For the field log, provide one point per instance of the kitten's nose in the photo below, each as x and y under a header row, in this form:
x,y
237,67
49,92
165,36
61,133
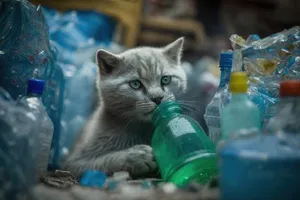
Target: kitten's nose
x,y
157,100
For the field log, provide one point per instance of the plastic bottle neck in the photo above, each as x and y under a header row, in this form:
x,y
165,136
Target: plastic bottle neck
x,y
39,96
225,76
166,110
239,96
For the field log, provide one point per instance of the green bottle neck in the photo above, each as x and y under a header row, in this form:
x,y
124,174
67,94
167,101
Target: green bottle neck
x,y
165,111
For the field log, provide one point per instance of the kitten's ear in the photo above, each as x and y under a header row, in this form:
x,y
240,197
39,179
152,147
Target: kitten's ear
x,y
107,62
174,50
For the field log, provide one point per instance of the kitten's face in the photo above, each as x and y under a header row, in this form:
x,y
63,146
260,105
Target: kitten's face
x,y
133,83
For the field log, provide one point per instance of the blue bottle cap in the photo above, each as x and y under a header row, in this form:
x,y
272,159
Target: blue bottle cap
x,y
226,59
254,37
35,86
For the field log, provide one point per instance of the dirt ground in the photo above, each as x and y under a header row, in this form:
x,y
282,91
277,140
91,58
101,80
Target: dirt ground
x,y
63,185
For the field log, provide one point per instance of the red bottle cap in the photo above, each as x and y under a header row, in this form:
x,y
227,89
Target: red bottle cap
x,y
289,88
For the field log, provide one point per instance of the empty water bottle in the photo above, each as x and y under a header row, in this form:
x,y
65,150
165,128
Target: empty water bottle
x,y
212,112
17,152
33,102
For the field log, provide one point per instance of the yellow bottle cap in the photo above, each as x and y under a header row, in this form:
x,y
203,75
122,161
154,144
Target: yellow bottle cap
x,y
238,82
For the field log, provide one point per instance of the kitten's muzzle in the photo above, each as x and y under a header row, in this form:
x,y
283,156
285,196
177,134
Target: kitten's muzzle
x,y
157,100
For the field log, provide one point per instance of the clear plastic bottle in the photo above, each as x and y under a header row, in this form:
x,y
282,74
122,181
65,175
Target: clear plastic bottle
x,y
17,149
182,150
241,113
33,102
212,112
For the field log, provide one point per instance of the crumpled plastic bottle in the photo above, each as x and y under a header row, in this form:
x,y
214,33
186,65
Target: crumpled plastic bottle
x,y
33,102
17,149
221,98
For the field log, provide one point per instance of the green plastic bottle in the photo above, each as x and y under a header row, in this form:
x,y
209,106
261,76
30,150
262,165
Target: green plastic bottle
x,y
182,150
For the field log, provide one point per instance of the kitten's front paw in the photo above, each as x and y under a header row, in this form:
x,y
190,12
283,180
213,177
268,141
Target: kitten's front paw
x,y
139,160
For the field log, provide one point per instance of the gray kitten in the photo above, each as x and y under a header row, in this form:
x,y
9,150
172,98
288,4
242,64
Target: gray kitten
x,y
131,85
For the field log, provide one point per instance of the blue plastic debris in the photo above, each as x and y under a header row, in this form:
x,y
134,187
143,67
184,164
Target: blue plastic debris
x,y
93,178
146,184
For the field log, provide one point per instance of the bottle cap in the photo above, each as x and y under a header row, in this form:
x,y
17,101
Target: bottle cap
x,y
226,59
35,86
289,88
238,82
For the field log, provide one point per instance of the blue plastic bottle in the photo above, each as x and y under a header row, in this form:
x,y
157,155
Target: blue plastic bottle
x,y
267,165
212,112
241,113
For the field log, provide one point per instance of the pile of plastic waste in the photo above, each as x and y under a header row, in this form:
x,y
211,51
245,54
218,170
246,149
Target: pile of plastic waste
x,y
41,70
254,117
266,62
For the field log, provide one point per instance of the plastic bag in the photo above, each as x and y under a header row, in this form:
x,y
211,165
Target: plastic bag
x,y
24,46
17,149
267,62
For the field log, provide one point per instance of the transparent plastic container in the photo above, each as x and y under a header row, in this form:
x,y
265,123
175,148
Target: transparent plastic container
x,y
17,149
33,102
221,97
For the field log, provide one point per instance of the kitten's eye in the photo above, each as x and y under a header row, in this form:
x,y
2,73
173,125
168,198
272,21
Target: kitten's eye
x,y
165,80
135,84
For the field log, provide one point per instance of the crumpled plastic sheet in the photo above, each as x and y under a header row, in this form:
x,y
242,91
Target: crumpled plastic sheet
x,y
17,149
267,62
25,51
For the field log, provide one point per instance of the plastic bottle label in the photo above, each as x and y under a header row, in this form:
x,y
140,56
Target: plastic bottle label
x,y
184,128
